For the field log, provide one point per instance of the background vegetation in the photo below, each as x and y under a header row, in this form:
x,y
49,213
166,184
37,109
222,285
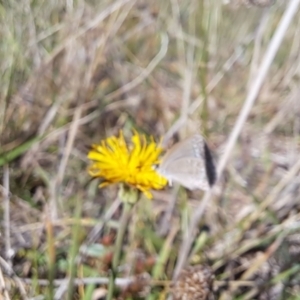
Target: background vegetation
x,y
75,72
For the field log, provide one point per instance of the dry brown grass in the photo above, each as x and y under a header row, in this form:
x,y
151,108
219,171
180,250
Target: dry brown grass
x,y
73,73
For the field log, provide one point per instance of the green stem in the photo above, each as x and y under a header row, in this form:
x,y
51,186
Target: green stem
x,y
118,247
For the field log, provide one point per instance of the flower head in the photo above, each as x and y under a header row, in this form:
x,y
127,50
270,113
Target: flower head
x,y
116,162
194,283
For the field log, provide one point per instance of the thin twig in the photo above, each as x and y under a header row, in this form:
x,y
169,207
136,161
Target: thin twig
x,y
257,46
166,220
98,228
188,82
146,72
123,103
121,282
274,193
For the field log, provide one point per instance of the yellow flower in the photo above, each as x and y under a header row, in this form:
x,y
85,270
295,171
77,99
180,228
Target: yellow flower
x,y
116,162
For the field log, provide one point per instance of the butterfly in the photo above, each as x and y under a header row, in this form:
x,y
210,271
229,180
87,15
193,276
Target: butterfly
x,y
190,164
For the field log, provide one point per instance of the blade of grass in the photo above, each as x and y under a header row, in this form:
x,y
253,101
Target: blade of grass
x,y
18,151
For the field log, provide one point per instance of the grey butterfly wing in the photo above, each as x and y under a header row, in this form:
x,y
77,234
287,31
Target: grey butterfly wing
x,y
189,163
190,147
189,172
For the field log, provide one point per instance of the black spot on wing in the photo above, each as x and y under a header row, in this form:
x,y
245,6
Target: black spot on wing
x,y
209,166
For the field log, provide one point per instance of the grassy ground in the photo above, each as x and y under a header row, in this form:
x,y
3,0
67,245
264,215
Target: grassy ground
x,y
75,72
